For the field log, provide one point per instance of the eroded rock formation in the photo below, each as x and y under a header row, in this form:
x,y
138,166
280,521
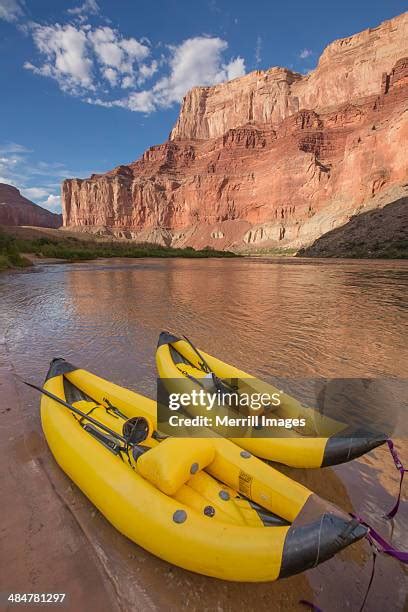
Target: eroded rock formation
x,y
15,209
272,158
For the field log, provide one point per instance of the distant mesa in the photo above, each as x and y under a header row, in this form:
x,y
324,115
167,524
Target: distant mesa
x,y
15,210
270,159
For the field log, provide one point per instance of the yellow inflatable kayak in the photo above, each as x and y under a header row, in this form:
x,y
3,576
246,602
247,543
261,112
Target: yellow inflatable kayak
x,y
204,505
323,442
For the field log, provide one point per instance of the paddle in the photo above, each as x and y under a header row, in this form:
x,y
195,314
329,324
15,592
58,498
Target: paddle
x,y
77,411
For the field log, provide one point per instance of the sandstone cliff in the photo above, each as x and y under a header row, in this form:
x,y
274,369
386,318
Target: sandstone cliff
x,y
272,158
17,210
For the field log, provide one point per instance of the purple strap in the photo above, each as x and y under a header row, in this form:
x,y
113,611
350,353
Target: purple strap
x,y
402,470
380,544
310,605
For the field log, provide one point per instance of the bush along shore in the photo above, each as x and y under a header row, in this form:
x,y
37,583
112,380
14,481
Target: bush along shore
x,y
10,254
12,250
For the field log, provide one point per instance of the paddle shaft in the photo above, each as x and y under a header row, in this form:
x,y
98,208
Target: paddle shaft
x,y
76,411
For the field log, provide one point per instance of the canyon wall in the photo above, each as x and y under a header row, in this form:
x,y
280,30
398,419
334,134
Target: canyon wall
x,y
273,158
349,69
15,209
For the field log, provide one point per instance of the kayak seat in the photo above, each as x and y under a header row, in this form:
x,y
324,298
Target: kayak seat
x,y
174,461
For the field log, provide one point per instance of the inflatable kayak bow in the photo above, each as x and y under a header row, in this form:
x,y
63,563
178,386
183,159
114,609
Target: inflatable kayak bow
x,y
180,363
204,505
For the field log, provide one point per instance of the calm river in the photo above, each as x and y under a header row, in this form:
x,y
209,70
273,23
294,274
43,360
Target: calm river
x,y
298,318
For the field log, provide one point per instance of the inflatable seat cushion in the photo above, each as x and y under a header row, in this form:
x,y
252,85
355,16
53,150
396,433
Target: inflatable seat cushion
x,y
174,461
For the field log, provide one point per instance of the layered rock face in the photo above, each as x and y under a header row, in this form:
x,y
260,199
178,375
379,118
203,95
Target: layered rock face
x,y
270,159
18,210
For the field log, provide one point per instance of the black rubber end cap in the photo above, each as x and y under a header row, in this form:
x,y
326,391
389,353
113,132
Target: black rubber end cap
x,y
166,337
59,366
308,545
340,449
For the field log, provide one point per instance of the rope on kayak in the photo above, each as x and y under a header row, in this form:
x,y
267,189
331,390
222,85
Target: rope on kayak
x,y
402,470
203,365
371,579
113,410
380,544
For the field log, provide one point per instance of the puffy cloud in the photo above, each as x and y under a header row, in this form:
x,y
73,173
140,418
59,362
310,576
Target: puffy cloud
x,y
235,69
11,10
76,54
305,53
65,50
141,101
113,50
89,7
44,197
128,82
111,76
52,203
147,71
197,61
89,62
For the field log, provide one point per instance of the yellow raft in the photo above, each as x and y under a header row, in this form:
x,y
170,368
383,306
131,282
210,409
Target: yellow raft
x,y
323,442
204,505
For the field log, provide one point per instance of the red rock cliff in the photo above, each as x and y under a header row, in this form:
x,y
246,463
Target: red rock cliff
x,y
272,158
17,210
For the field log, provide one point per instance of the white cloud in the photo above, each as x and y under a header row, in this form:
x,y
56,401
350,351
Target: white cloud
x,y
7,181
11,10
235,69
258,50
35,193
147,71
38,181
52,203
197,61
117,52
140,101
111,75
80,58
127,82
89,7
305,53
65,50
13,147
91,62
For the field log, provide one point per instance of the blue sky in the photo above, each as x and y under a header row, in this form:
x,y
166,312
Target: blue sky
x,y
90,84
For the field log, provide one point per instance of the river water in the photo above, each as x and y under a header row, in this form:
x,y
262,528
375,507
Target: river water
x,y
289,317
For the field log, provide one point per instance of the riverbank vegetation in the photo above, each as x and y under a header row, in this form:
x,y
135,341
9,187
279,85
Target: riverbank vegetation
x,y
10,255
68,248
269,252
